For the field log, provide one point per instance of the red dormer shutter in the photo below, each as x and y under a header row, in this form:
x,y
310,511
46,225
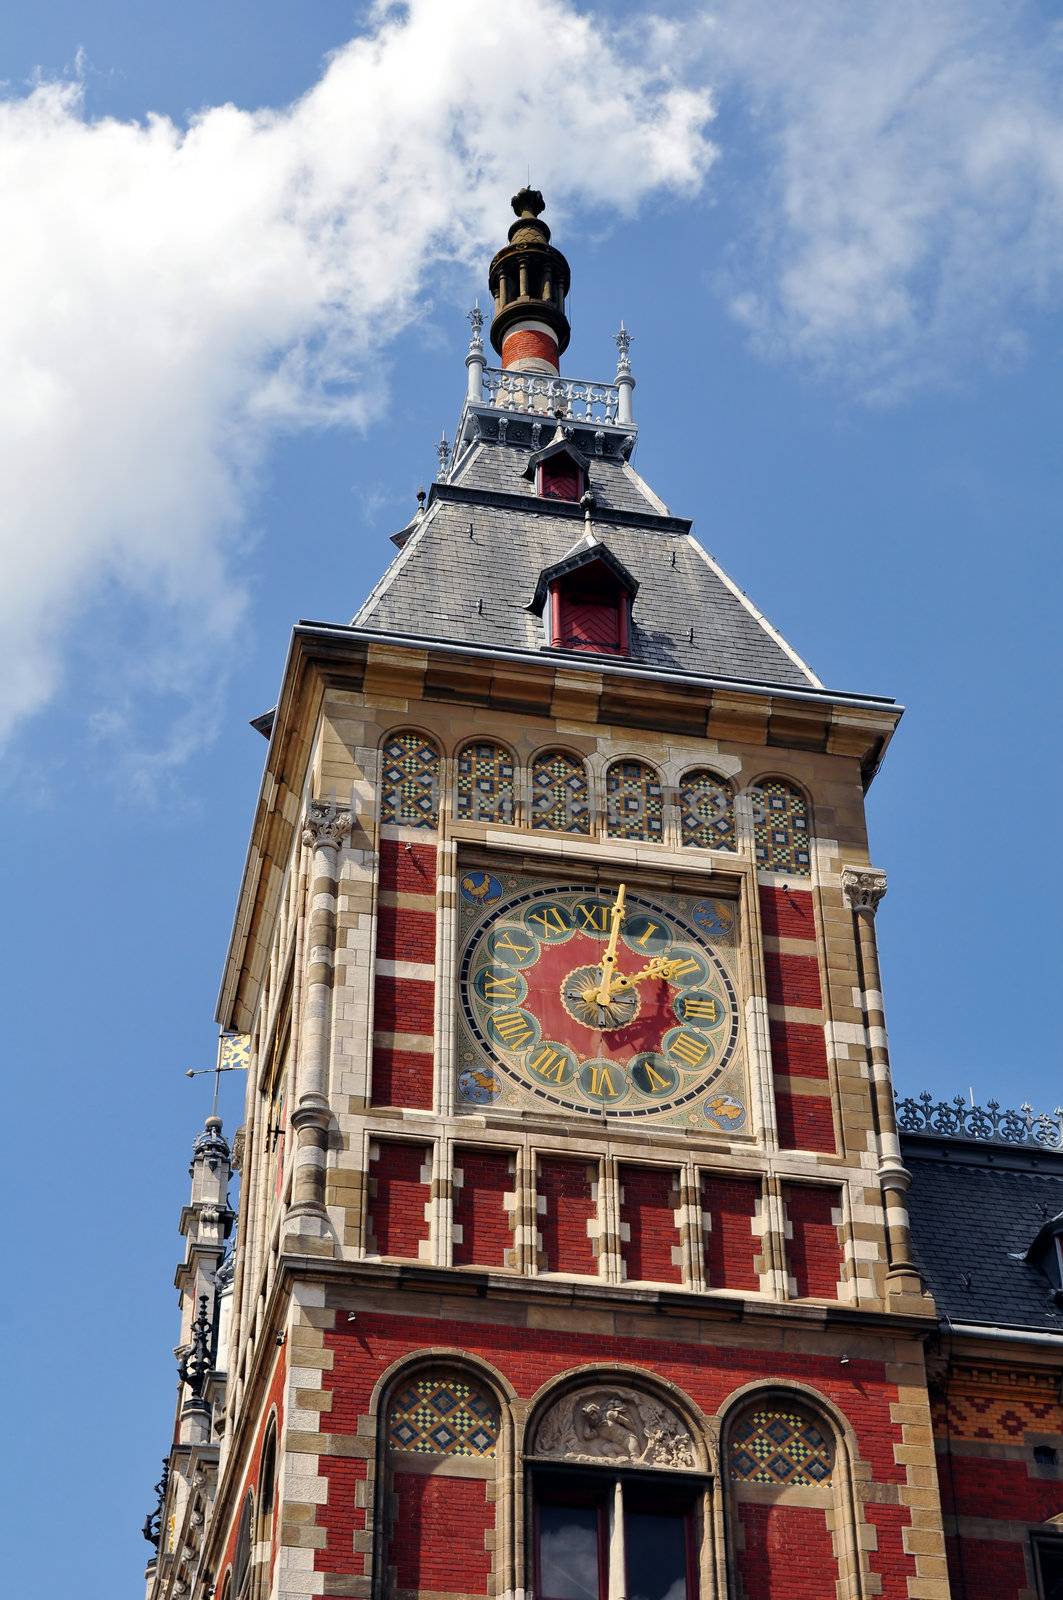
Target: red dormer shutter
x,y
589,624
560,478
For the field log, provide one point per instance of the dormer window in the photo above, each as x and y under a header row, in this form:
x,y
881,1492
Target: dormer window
x,y
560,478
585,601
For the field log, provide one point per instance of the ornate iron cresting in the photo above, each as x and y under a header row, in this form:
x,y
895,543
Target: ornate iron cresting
x,y
574,398
152,1529
956,1119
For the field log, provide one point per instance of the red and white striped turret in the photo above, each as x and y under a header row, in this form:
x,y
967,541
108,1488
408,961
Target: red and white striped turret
x,y
529,281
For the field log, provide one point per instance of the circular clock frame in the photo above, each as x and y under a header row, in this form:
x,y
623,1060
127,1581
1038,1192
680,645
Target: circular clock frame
x,y
505,1018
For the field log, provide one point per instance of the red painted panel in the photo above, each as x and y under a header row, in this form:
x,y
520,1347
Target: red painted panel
x,y
480,1209
402,1078
566,1188
589,624
730,1243
438,1539
787,1554
404,1005
987,1569
792,980
397,1219
405,935
805,1121
787,913
798,1049
649,1199
407,868
814,1255
979,1486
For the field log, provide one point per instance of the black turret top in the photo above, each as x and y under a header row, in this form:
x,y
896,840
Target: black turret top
x,y
529,279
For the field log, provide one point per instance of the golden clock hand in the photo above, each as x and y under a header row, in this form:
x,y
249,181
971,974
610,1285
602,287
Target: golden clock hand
x,y
608,963
658,967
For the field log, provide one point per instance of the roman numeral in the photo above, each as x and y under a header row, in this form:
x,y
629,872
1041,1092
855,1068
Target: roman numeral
x,y
504,942
512,1026
682,968
703,1006
550,920
653,1077
595,918
689,1048
601,1084
549,1064
500,988
649,933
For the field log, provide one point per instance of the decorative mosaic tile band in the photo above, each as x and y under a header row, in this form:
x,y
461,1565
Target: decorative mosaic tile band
x,y
560,794
707,813
780,828
634,801
486,789
783,1446
410,781
441,1414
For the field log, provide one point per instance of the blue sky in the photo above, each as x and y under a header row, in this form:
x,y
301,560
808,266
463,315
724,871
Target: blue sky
x,y
230,339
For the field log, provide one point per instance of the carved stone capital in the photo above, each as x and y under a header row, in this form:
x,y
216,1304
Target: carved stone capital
x,y
863,888
326,825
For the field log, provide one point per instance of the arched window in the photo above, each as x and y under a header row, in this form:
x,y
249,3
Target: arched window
x,y
485,788
409,786
780,828
267,1485
777,1445
241,1579
706,811
441,1427
601,1513
634,801
560,797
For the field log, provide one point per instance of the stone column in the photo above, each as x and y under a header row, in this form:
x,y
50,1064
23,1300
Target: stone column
x,y
624,378
325,827
864,888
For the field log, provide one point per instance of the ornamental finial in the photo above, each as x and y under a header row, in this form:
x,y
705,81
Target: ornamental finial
x,y
443,452
623,345
476,318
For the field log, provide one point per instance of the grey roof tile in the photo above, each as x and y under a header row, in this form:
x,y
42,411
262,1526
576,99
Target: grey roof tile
x,y
972,1222
480,541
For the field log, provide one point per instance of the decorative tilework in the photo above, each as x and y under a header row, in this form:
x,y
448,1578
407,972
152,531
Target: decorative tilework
x,y
410,781
485,788
442,1414
634,802
706,810
560,796
782,1445
780,828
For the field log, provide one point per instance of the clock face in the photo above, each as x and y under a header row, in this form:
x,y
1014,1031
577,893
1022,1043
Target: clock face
x,y
540,1024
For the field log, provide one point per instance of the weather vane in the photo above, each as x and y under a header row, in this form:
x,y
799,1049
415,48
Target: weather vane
x,y
234,1055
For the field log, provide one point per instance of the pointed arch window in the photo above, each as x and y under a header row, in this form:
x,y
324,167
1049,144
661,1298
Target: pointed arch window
x,y
409,788
267,1484
486,784
241,1578
560,794
634,801
706,811
781,834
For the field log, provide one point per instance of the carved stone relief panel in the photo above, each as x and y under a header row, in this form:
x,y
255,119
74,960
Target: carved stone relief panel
x,y
614,1423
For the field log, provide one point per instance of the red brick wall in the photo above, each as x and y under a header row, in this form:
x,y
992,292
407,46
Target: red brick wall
x,y
649,1199
398,1199
437,1543
730,1246
814,1252
566,1188
889,1560
402,1072
480,1207
528,1357
987,1424
787,1553
274,1398
803,1111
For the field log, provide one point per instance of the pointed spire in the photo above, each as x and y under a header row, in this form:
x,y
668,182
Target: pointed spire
x,y
529,280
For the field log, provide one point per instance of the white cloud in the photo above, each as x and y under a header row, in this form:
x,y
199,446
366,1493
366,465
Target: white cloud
x,y
909,215
169,297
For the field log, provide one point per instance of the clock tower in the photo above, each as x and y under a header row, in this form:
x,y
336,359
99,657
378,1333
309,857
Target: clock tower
x,y
573,1257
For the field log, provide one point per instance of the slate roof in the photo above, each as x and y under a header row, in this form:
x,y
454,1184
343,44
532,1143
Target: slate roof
x,y
975,1212
469,567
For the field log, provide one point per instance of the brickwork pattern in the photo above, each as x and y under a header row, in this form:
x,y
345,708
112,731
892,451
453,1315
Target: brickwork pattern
x,y
398,1199
567,1205
439,1541
731,1248
484,1203
814,1250
803,1109
404,1005
649,1234
786,1551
